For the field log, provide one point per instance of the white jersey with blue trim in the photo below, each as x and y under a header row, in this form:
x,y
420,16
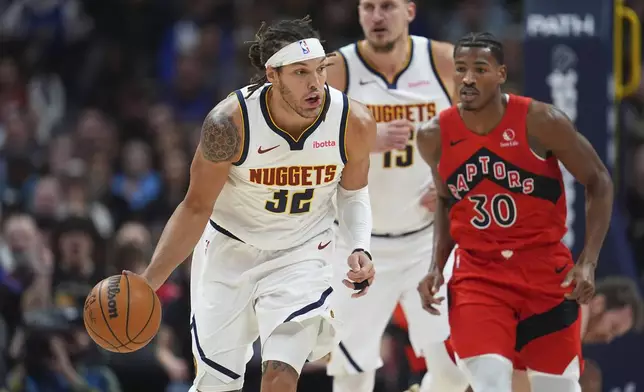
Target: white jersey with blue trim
x,y
282,190
399,178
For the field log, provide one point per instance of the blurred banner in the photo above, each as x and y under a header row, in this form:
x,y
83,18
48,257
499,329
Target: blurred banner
x,y
568,55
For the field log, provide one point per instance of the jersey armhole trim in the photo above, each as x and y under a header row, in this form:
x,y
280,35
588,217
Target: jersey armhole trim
x,y
241,102
430,50
344,120
346,72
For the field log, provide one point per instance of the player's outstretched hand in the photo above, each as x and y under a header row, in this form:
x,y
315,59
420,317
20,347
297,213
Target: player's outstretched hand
x,y
393,135
361,274
583,276
428,288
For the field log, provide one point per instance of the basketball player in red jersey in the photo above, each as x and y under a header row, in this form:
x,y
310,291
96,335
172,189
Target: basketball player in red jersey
x,y
495,160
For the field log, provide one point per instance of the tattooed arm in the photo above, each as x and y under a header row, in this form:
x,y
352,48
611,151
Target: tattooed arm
x,y
220,145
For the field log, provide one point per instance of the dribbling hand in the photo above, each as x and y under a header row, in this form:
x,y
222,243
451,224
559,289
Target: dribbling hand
x,y
428,288
393,135
361,270
583,274
154,287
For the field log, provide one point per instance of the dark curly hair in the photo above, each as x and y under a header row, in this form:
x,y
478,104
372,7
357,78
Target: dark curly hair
x,y
482,40
269,39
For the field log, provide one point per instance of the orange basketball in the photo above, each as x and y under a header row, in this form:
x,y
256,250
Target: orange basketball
x,y
122,313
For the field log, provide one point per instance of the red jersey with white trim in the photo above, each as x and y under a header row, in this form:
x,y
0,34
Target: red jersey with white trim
x,y
503,195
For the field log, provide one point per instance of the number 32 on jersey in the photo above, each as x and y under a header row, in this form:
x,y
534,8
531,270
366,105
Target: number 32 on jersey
x,y
293,202
501,209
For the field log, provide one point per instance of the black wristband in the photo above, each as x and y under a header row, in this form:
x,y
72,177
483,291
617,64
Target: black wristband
x,y
363,251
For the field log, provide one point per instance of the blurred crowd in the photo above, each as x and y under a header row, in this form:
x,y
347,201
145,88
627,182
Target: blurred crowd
x,y
101,104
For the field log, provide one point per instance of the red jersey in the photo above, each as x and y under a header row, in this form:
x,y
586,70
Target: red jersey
x,y
503,195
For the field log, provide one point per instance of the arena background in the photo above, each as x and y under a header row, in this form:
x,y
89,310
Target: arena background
x,y
100,108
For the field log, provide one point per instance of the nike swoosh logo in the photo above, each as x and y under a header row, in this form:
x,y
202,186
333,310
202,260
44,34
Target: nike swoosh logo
x,y
455,142
260,151
362,82
560,269
322,246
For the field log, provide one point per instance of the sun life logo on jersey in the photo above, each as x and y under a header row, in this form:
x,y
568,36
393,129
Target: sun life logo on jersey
x,y
508,138
305,47
324,144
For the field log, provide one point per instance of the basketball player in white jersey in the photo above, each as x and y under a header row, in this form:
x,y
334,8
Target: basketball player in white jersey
x,y
271,160
405,81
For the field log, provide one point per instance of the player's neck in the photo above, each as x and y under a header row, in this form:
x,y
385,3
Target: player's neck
x,y
388,63
285,117
486,119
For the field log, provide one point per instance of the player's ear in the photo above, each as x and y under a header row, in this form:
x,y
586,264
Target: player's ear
x,y
271,74
503,73
411,10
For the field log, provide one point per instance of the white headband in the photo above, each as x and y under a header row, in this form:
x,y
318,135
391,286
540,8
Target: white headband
x,y
306,49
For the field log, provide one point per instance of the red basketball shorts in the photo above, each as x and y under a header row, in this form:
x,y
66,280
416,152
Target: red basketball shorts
x,y
515,307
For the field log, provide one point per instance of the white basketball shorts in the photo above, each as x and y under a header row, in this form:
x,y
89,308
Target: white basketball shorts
x,y
240,293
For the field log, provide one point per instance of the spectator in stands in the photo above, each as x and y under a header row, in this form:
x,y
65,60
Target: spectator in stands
x,y
137,184
134,233
77,248
59,356
46,205
78,200
175,171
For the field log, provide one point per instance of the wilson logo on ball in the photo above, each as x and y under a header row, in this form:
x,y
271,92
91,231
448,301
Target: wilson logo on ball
x,y
113,288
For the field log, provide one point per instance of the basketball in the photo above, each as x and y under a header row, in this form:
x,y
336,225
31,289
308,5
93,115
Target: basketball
x,y
122,313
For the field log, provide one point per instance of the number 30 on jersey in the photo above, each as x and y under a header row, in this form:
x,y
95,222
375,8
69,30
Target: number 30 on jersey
x,y
501,209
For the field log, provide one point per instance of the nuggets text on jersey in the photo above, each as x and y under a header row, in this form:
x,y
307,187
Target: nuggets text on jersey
x,y
416,112
293,175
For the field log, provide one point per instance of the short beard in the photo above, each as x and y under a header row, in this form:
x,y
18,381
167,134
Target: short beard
x,y
387,47
286,94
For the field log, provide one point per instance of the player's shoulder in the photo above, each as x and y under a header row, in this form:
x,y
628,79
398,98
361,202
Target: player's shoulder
x,y
248,93
431,130
223,129
341,56
228,115
337,70
361,129
346,49
228,107
360,116
542,112
441,47
438,49
547,123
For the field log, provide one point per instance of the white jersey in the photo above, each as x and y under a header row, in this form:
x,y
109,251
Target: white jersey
x,y
398,179
281,191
